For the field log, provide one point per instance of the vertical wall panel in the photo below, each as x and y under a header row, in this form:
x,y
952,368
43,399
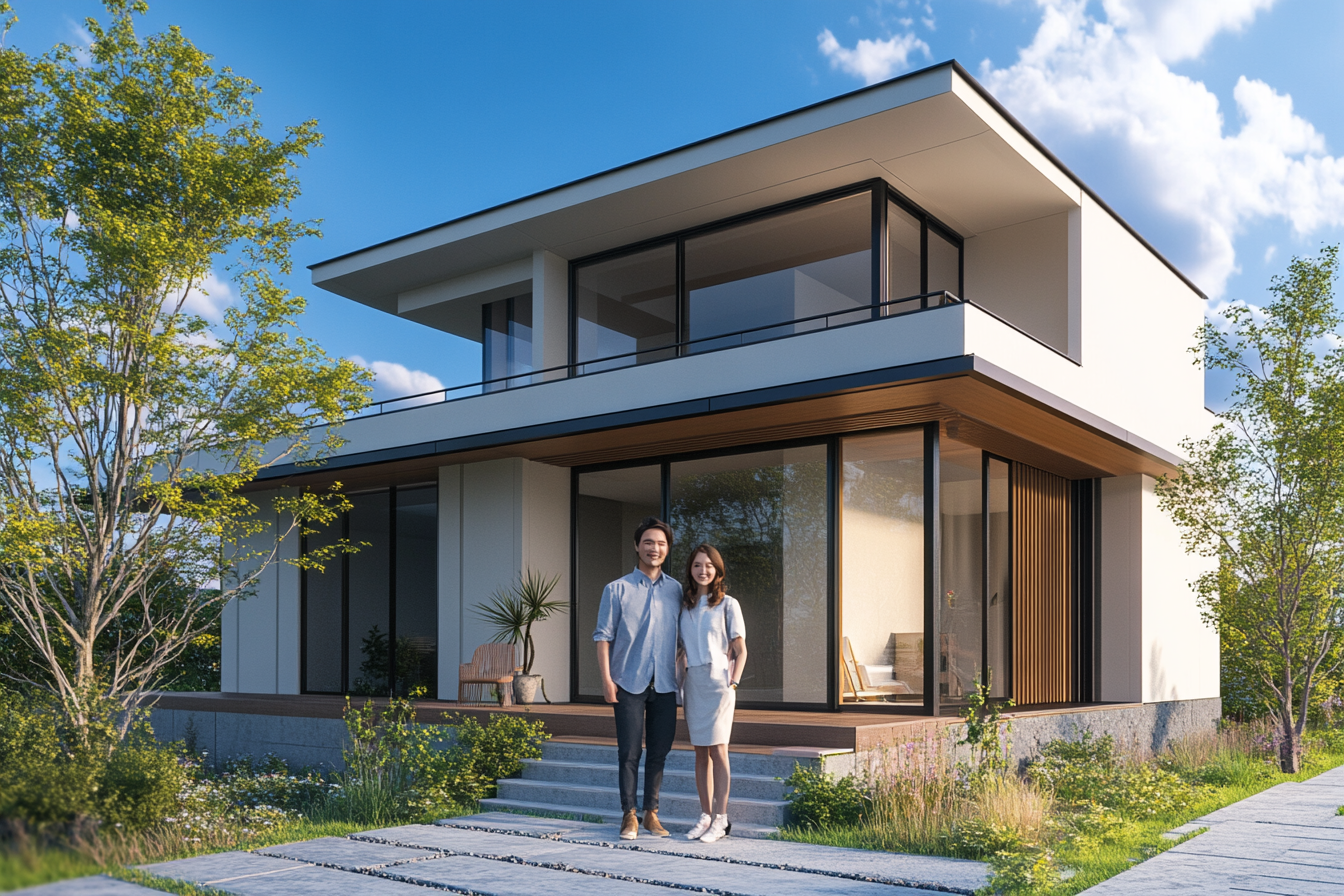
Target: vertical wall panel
x,y
1042,596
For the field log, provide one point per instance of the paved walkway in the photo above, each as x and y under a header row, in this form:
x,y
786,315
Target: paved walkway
x,y
500,853
1287,840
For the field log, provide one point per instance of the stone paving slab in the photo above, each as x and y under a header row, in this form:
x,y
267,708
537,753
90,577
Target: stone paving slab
x,y
663,869
96,885
1273,843
222,867
252,875
490,877
346,854
1287,803
510,821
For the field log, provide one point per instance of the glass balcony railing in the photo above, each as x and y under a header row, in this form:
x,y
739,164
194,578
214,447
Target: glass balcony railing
x,y
718,342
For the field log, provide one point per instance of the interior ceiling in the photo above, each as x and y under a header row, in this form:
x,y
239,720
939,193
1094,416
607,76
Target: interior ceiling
x,y
938,151
970,408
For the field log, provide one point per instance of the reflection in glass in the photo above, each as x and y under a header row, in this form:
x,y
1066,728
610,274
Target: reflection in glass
x,y
998,618
882,568
322,615
766,512
417,658
626,304
611,503
903,255
506,340
796,264
961,621
944,264
368,649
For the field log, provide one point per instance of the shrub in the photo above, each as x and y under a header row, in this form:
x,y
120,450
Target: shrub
x,y
1090,770
498,749
820,800
49,778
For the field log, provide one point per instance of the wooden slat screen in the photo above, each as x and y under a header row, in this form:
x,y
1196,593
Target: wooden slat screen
x,y
1042,601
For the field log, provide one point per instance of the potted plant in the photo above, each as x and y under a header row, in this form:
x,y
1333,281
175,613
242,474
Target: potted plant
x,y
511,612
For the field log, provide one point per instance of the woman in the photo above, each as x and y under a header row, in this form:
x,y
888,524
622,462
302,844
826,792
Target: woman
x,y
713,647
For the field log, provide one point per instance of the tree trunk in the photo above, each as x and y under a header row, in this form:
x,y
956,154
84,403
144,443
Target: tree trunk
x,y
1290,751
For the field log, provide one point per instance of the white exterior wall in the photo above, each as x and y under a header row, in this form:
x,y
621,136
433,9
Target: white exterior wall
x,y
260,633
497,519
1153,645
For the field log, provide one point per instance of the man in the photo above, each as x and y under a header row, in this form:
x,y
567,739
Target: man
x,y
636,640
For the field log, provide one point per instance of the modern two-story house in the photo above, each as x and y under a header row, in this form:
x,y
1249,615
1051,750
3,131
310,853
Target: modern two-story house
x,y
905,369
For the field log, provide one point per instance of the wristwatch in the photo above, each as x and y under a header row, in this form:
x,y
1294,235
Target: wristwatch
x,y
733,685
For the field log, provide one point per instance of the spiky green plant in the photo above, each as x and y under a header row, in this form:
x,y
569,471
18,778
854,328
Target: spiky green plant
x,y
512,612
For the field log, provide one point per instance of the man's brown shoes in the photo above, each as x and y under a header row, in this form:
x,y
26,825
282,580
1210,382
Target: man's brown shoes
x,y
629,825
652,825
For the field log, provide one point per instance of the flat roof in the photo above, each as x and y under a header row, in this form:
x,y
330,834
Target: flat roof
x,y
936,135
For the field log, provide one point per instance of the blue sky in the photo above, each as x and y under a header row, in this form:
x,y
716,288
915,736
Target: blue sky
x,y
1214,126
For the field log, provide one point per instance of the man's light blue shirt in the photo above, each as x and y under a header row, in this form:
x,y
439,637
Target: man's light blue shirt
x,y
639,617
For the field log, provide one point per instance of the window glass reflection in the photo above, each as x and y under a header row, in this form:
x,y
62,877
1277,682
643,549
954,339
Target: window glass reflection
x,y
903,258
815,260
623,305
766,513
998,633
944,264
960,614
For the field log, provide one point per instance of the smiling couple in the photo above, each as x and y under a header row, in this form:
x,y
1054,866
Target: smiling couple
x,y
655,638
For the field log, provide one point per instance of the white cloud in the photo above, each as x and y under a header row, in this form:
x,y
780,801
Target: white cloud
x,y
209,299
393,380
1110,80
82,41
1270,252
872,60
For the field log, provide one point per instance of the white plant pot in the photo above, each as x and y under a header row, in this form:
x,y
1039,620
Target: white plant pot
x,y
525,688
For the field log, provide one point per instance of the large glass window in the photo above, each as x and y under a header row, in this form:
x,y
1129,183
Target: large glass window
x,y
904,274
506,351
944,264
609,505
961,603
816,260
370,618
626,305
882,568
766,513
998,552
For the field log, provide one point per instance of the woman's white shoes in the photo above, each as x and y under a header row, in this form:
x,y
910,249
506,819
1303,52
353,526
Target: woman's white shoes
x,y
718,828
700,827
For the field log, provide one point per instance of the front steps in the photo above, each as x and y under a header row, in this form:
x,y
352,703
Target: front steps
x,y
580,780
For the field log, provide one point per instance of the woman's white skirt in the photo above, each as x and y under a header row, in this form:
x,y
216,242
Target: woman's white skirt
x,y
709,704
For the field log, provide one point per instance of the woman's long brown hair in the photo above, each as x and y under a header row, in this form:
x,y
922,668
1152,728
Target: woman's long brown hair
x,y
690,594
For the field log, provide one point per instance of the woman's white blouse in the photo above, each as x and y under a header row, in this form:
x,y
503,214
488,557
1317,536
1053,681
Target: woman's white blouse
x,y
706,631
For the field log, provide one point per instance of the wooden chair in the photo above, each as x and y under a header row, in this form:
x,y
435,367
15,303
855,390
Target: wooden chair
x,y
491,666
857,686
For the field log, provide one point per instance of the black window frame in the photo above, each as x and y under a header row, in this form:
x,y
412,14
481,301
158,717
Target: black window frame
x,y
881,193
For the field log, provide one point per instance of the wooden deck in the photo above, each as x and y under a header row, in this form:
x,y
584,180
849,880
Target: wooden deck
x,y
752,728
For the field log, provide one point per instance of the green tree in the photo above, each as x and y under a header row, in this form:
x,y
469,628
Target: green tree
x,y
1264,493
131,426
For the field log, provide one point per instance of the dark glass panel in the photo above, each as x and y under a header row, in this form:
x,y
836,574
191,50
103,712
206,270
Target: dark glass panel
x,y
903,254
626,304
961,515
322,616
815,260
998,618
417,658
882,566
944,264
506,342
611,503
766,513
370,660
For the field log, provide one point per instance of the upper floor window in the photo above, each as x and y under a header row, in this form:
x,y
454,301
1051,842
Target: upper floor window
x,y
809,266
506,343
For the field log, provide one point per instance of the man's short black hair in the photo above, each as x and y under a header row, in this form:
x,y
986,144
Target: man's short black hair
x,y
652,522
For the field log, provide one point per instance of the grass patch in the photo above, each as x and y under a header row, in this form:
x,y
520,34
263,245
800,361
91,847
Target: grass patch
x,y
1086,811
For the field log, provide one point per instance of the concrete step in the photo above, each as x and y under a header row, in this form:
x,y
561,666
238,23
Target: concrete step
x,y
583,798
744,830
681,760
594,774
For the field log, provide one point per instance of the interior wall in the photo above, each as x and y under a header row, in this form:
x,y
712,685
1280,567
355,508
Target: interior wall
x,y
1022,274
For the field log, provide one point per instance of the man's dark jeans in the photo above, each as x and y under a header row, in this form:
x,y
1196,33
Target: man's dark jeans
x,y
639,717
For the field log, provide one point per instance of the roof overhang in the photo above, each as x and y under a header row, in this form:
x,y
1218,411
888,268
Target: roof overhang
x,y
935,135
